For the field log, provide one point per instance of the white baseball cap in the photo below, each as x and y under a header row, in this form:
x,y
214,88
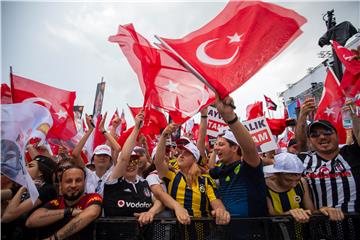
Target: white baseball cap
x,y
193,149
103,149
227,134
285,163
182,140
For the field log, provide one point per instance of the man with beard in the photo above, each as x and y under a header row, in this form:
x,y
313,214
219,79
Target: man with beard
x,y
333,172
70,215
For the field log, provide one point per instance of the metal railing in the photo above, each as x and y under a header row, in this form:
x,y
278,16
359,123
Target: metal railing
x,y
319,227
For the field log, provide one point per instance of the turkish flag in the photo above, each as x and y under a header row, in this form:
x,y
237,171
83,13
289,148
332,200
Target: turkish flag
x,y
351,78
240,40
330,105
154,121
164,81
5,94
59,102
270,103
283,142
254,110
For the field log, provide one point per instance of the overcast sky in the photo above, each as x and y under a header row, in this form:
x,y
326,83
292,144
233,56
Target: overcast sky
x,y
64,44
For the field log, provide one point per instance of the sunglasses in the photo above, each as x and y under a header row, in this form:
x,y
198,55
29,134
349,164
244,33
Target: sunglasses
x,y
133,161
317,134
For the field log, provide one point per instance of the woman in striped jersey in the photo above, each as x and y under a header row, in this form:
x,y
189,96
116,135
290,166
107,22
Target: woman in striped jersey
x,y
287,193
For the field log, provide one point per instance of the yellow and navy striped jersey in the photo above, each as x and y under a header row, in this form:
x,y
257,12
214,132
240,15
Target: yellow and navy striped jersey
x,y
285,201
173,163
195,199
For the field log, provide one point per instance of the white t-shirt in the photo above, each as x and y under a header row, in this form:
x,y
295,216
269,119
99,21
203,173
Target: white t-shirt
x,y
153,179
95,184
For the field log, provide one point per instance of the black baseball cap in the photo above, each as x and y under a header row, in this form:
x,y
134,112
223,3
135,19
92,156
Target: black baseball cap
x,y
320,123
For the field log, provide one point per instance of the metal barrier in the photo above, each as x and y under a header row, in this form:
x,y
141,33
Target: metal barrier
x,y
319,227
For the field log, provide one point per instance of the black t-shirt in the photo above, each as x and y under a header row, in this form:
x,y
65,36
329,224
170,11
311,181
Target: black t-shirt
x,y
123,198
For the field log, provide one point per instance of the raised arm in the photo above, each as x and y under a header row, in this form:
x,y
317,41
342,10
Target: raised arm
x,y
300,130
111,140
243,137
355,120
161,166
76,153
114,125
124,156
202,133
16,208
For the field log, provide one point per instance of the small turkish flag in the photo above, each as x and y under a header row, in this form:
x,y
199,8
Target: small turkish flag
x,y
238,42
330,105
254,110
59,102
270,103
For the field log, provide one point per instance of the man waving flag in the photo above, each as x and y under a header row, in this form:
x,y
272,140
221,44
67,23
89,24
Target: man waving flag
x,y
240,40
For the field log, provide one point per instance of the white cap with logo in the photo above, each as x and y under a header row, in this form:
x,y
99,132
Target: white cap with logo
x,y
102,149
285,163
193,149
227,134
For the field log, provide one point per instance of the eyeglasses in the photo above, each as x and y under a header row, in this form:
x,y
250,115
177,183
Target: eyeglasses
x,y
317,134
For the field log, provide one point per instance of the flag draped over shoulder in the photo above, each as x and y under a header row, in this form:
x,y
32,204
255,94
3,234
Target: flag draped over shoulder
x,y
240,40
59,102
164,81
330,105
351,78
19,123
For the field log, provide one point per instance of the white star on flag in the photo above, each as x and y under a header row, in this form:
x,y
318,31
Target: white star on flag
x,y
235,38
329,111
172,87
61,114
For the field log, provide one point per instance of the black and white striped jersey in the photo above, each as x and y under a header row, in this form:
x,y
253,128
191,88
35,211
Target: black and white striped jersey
x,y
334,183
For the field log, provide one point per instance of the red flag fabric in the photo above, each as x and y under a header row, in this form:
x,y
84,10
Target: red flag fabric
x,y
122,138
164,81
330,105
99,138
59,102
123,122
276,125
270,103
283,142
254,110
5,94
351,78
240,40
154,121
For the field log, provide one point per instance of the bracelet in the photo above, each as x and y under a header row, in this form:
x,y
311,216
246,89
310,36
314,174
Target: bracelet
x,y
68,213
233,121
55,236
203,116
103,132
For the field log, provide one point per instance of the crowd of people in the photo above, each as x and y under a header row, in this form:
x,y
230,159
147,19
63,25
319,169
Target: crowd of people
x,y
186,179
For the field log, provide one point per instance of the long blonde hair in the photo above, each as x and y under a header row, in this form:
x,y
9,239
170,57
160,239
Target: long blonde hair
x,y
192,175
